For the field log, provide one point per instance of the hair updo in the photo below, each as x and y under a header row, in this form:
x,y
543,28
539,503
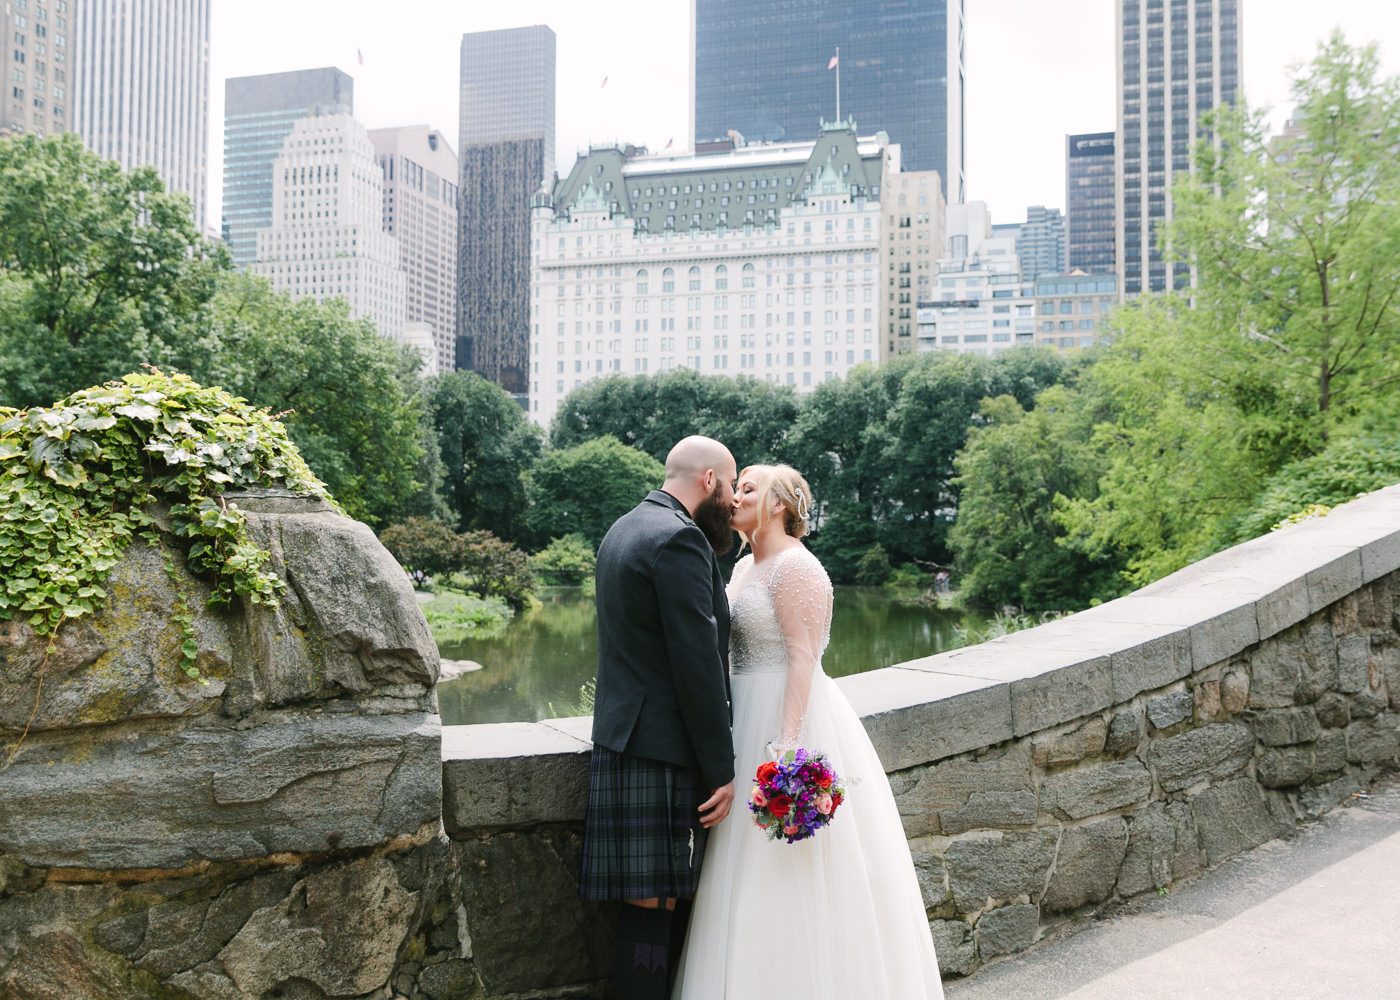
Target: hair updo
x,y
784,484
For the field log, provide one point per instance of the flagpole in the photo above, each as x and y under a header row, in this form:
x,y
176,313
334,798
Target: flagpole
x,y
838,83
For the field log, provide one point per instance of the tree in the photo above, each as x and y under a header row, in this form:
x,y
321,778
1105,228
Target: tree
x,y
496,568
424,545
1287,340
566,561
487,448
1016,467
100,270
584,489
653,412
355,400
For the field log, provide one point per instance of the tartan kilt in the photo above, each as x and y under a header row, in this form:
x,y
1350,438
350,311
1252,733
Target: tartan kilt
x,y
642,838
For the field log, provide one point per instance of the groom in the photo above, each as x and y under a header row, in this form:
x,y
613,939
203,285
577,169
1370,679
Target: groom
x,y
662,771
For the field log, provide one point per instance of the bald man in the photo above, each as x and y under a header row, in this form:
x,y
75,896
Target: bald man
x,y
662,771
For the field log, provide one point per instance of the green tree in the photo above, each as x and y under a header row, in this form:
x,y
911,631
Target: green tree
x,y
424,545
495,568
355,401
100,271
653,412
487,447
584,489
566,561
1016,466
1287,340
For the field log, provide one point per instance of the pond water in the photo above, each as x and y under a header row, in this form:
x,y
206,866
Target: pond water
x,y
533,670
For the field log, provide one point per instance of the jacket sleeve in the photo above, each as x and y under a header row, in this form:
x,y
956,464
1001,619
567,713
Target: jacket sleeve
x,y
682,576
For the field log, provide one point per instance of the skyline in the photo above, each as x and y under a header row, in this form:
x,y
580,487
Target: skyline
x,y
1037,70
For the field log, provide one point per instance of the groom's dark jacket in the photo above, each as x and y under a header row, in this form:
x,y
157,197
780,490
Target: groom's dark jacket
x,y
663,642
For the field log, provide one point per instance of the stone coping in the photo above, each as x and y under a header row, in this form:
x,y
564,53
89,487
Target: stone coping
x,y
924,710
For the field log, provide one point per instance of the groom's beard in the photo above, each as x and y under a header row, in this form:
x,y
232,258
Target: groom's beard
x,y
712,516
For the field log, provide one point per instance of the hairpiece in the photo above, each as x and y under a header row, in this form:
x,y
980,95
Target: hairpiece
x,y
803,507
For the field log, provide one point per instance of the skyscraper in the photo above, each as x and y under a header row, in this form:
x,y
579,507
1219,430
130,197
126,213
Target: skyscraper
x,y
506,154
420,211
1089,201
763,68
327,239
1041,242
35,68
140,89
1177,60
259,112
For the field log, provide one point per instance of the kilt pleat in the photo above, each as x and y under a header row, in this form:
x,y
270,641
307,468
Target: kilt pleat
x,y
642,837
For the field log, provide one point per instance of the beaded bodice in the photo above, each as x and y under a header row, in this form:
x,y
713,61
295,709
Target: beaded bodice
x,y
791,586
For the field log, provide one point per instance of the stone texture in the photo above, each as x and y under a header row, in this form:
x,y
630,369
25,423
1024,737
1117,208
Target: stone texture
x,y
993,810
1333,710
520,891
1374,741
1232,818
1096,788
55,966
1278,727
955,947
1071,747
446,980
1353,663
1147,862
1234,691
932,877
1284,767
1330,752
1207,698
161,799
340,930
1007,929
1086,864
1188,856
512,774
1001,782
999,866
1213,751
1168,709
1124,732
1056,697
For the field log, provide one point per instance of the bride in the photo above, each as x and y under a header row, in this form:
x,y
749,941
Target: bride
x,y
840,914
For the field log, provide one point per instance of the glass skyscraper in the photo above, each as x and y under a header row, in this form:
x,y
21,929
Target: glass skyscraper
x,y
507,153
1089,201
1177,60
259,112
761,69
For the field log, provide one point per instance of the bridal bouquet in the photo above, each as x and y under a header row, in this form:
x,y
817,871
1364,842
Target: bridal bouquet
x,y
796,796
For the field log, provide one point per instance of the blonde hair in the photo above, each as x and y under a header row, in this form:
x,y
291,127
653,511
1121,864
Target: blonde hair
x,y
784,484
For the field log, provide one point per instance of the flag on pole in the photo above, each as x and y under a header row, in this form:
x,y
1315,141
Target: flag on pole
x,y
668,143
832,64
360,56
603,84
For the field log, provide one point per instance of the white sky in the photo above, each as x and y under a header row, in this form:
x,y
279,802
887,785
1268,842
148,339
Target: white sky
x,y
1036,70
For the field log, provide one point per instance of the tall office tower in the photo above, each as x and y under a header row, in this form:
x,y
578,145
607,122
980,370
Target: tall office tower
x,y
760,68
1178,59
506,154
35,66
1089,201
327,239
913,239
259,112
420,211
1041,243
140,89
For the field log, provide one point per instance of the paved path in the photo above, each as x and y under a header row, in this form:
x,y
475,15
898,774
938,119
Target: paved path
x,y
1317,915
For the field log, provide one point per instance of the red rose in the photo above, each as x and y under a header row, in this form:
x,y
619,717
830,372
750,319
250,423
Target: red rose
x,y
779,805
766,770
825,780
836,800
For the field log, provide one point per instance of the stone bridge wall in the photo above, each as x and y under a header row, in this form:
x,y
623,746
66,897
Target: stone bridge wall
x,y
1040,776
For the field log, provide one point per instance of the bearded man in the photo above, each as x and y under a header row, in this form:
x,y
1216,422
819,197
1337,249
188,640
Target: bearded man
x,y
662,771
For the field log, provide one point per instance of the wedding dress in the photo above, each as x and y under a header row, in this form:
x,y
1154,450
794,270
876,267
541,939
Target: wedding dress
x,y
839,915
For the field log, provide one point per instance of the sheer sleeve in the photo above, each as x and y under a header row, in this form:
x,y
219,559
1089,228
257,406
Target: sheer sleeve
x,y
802,602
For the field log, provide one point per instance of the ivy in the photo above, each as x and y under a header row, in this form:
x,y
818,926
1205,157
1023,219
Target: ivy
x,y
79,480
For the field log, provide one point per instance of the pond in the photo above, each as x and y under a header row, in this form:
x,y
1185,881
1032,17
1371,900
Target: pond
x,y
533,670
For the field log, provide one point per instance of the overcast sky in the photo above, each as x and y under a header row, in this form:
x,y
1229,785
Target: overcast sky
x,y
1036,70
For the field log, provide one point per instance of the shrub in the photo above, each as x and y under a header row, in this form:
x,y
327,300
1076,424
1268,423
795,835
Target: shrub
x,y
566,562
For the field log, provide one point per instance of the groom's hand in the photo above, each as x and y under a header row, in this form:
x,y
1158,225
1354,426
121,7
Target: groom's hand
x,y
716,807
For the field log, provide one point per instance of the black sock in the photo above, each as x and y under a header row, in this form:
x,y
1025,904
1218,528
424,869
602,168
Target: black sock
x,y
680,922
642,957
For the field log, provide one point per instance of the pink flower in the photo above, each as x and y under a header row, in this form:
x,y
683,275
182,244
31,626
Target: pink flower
x,y
758,798
790,831
824,805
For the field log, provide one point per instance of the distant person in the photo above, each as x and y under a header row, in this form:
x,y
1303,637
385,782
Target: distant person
x,y
662,772
839,915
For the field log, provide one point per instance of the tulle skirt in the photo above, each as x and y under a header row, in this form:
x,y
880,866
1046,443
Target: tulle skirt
x,y
834,917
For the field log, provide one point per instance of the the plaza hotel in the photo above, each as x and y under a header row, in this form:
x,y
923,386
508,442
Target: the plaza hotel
x,y
766,260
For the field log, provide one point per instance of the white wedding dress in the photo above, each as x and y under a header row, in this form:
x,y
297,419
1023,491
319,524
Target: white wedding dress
x,y
838,916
